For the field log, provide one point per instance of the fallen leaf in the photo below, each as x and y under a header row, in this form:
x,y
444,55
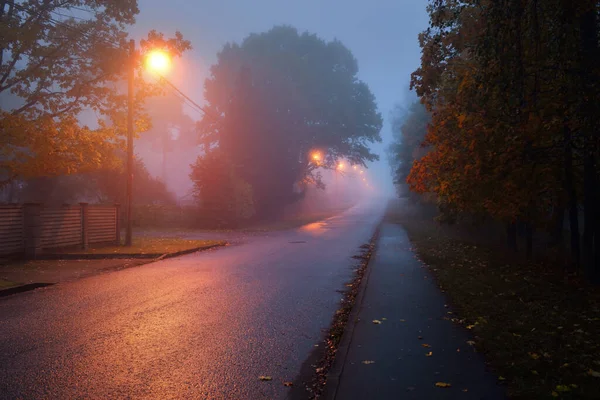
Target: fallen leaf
x,y
501,378
470,342
563,388
384,319
319,370
376,321
465,390
593,373
402,320
470,326
442,384
288,384
367,362
265,378
533,371
429,354
425,345
535,356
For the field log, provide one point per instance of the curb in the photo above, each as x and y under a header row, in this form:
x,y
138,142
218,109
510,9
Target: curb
x,y
189,251
333,377
23,288
111,256
150,257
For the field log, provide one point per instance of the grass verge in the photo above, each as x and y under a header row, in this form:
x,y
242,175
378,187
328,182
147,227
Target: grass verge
x,y
150,245
6,284
537,326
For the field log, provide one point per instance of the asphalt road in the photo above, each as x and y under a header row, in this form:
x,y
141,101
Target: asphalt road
x,y
202,326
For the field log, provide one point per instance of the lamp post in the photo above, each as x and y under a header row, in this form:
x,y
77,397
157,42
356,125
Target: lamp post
x,y
130,94
156,60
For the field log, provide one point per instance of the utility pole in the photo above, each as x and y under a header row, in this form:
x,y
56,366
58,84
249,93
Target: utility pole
x,y
130,105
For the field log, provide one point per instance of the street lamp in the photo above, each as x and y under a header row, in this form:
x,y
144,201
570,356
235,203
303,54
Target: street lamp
x,y
156,60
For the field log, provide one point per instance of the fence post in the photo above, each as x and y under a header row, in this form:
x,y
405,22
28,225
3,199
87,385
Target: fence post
x,y
32,220
84,225
118,223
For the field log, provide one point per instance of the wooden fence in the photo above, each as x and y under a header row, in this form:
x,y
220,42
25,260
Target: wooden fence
x,y
30,229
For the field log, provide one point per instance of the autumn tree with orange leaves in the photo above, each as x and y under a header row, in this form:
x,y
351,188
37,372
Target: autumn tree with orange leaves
x,y
514,131
57,61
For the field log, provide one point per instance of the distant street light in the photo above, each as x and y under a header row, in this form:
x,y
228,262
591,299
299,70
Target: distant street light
x,y
156,60
340,166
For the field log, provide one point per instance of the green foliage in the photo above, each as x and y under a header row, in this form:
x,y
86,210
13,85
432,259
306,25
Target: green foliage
x,y
408,129
281,95
53,67
224,198
101,186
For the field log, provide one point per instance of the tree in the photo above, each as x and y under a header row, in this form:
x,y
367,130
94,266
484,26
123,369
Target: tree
x,y
104,185
57,60
278,96
172,131
408,129
514,130
224,197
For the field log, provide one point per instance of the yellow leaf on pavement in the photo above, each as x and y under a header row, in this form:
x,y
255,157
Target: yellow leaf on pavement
x,y
265,378
563,388
367,362
593,373
442,384
376,321
429,354
425,345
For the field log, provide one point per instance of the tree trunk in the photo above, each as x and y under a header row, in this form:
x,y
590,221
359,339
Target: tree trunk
x,y
589,57
529,239
511,236
558,225
572,196
589,223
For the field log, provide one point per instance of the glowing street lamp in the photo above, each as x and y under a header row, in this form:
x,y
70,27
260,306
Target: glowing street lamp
x,y
158,61
316,156
340,166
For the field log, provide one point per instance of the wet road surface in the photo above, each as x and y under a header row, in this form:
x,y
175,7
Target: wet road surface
x,y
202,326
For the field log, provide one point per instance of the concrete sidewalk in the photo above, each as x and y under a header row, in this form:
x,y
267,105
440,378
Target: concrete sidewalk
x,y
412,348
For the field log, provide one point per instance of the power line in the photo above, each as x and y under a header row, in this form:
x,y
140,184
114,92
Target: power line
x,y
85,34
67,26
196,105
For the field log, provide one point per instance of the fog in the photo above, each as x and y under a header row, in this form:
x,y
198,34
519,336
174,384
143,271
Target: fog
x,y
382,34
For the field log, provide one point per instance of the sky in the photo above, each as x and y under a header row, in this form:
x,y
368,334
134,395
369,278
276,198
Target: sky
x,y
382,34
